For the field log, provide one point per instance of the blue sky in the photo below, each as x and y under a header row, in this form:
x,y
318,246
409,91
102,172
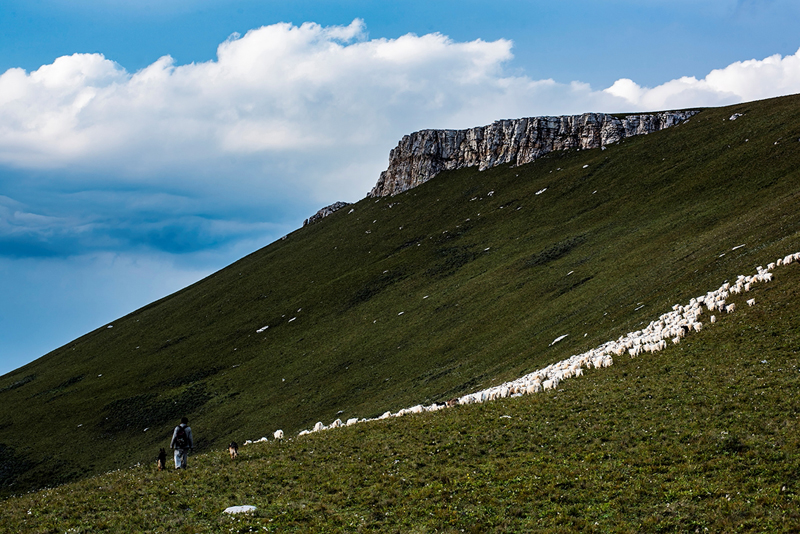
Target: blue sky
x,y
144,145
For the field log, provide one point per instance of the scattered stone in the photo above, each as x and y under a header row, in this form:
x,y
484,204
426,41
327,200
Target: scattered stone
x,y
324,212
244,509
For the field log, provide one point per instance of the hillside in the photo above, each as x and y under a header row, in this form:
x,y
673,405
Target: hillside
x,y
700,437
456,285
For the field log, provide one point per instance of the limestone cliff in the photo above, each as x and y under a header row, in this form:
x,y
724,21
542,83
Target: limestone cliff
x,y
424,154
324,212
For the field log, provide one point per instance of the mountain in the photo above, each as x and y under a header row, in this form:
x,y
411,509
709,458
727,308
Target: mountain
x,y
458,284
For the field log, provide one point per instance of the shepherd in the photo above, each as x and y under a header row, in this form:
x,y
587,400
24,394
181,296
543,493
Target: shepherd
x,y
182,442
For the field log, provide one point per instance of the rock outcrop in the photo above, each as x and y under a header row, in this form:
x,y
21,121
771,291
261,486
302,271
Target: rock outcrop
x,y
424,154
324,212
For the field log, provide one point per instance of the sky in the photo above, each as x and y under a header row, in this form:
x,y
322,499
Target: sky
x,y
145,145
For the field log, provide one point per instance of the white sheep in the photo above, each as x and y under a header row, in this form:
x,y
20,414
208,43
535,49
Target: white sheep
x,y
751,302
467,399
536,387
278,435
730,308
551,383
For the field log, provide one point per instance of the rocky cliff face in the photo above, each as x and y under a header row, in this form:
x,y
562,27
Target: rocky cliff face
x,y
324,212
424,154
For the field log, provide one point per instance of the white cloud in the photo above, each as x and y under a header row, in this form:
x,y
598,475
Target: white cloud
x,y
306,110
741,81
307,98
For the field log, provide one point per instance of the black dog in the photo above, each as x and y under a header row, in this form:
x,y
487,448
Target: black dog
x,y
233,449
161,461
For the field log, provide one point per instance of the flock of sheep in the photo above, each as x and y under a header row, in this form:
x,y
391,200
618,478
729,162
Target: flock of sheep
x,y
671,327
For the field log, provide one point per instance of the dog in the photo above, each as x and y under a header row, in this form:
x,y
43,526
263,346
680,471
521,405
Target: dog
x,y
161,461
233,449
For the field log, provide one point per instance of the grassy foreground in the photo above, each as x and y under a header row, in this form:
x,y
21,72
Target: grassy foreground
x,y
702,437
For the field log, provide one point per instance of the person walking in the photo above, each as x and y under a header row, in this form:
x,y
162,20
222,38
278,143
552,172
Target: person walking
x,y
182,441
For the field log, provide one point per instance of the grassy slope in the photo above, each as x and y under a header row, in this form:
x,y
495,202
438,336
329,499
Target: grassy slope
x,y
700,437
642,227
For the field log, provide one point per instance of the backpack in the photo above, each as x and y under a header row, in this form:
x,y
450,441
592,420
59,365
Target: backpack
x,y
181,439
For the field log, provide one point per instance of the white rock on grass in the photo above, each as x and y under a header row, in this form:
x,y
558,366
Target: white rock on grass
x,y
244,509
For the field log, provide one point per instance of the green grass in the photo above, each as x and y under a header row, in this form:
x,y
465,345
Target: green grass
x,y
644,226
703,435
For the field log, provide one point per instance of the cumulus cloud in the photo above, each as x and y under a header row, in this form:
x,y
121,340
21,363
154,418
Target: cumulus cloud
x,y
741,81
284,90
286,118
270,95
